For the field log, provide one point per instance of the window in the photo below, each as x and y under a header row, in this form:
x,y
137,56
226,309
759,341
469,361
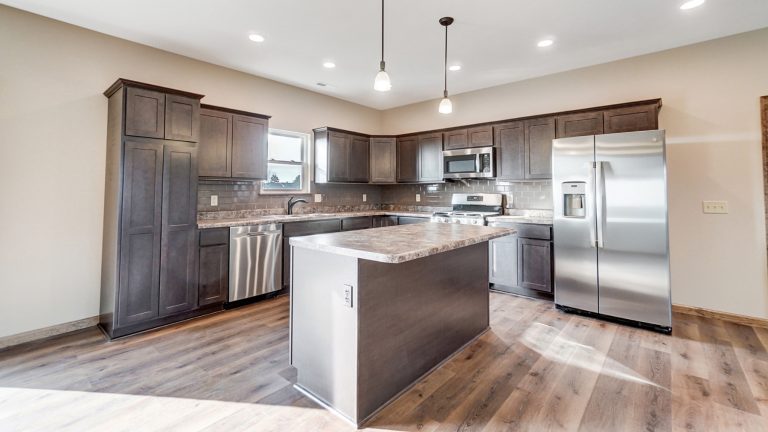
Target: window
x,y
288,165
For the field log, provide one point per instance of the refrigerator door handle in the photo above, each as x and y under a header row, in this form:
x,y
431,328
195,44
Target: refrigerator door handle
x,y
590,207
600,202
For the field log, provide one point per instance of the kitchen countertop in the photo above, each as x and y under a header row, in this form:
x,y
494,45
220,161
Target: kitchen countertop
x,y
521,219
268,219
397,244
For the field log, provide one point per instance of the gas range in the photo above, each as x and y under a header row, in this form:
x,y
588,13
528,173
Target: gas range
x,y
470,209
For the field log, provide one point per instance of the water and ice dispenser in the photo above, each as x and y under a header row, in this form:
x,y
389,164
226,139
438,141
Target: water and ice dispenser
x,y
574,199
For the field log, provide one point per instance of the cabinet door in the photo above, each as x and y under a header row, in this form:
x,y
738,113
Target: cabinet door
x,y
631,119
144,113
383,160
408,159
140,232
539,134
338,156
502,261
582,124
358,159
431,157
213,280
249,147
214,150
481,136
407,220
356,223
384,221
178,261
509,139
535,264
182,118
455,139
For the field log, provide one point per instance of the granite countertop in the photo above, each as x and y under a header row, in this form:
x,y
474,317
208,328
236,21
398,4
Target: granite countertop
x,y
538,220
268,219
397,244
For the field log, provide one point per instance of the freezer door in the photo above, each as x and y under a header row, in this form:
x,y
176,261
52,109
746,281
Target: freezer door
x,y
574,230
631,207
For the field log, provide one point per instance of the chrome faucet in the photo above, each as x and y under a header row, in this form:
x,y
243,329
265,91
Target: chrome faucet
x,y
293,201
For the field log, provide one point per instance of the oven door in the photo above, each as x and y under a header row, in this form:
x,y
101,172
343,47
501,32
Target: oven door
x,y
468,163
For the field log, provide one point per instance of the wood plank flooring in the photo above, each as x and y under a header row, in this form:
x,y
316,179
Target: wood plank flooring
x,y
538,369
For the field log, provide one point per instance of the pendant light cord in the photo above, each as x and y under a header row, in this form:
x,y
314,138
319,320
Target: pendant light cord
x,y
382,35
445,65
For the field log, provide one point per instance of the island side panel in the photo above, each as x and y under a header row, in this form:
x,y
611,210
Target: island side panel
x,y
414,315
324,329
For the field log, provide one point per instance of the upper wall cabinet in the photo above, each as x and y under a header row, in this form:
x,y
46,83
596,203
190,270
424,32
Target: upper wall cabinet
x,y
408,159
383,160
479,136
509,138
579,124
341,157
154,113
431,157
539,134
632,118
233,144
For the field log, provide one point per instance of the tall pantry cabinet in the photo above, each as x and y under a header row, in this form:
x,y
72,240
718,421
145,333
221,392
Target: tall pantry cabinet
x,y
150,247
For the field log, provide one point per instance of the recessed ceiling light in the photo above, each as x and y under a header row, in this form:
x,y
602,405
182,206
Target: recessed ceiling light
x,y
256,37
454,68
329,65
545,43
690,4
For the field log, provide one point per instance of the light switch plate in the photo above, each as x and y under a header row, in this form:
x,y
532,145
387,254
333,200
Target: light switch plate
x,y
214,200
348,296
365,197
418,197
318,197
715,207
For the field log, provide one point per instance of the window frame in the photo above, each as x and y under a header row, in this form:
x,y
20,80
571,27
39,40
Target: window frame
x,y
306,156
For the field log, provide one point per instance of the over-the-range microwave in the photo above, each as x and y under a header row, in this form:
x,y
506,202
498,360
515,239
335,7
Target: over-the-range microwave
x,y
469,163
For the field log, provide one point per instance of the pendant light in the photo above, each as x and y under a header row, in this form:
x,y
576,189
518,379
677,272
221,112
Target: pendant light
x,y
446,107
382,83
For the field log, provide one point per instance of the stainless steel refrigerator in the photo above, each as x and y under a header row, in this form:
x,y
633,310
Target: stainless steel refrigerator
x,y
610,227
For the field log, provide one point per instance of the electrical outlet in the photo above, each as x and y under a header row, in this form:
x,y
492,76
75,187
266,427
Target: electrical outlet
x,y
214,200
348,296
365,197
715,207
318,197
418,197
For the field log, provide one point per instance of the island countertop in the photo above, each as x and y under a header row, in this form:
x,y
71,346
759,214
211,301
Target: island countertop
x,y
397,244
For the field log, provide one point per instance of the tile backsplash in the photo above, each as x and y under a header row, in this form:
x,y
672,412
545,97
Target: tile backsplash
x,y
533,195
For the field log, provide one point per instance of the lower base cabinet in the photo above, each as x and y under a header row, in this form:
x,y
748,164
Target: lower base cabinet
x,y
523,263
384,221
213,277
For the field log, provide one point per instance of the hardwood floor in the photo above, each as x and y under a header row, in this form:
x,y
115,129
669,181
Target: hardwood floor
x,y
537,369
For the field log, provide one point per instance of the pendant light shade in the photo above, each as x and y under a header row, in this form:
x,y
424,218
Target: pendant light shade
x,y
381,82
446,106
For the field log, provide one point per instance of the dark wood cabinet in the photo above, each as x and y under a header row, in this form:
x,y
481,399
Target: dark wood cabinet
x,y
539,134
356,223
213,276
480,136
140,232
632,118
406,220
384,221
407,159
178,250
341,157
182,118
383,161
358,159
579,124
150,251
295,229
233,144
431,157
535,264
509,138
144,112
455,139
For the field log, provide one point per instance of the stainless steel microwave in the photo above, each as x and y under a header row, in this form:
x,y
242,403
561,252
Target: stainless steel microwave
x,y
469,163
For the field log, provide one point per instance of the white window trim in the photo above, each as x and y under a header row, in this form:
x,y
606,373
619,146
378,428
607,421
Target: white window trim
x,y
306,151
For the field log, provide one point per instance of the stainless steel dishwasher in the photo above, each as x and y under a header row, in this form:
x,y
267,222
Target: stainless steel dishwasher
x,y
255,260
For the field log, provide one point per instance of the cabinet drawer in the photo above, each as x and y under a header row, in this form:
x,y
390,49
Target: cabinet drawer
x,y
356,223
214,236
294,229
532,231
405,220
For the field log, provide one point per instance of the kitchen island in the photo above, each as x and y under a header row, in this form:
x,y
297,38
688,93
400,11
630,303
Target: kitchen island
x,y
373,311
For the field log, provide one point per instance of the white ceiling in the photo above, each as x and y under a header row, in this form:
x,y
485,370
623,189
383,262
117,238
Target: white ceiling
x,y
493,40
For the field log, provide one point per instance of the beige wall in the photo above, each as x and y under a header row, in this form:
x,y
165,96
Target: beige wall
x,y
711,113
53,120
